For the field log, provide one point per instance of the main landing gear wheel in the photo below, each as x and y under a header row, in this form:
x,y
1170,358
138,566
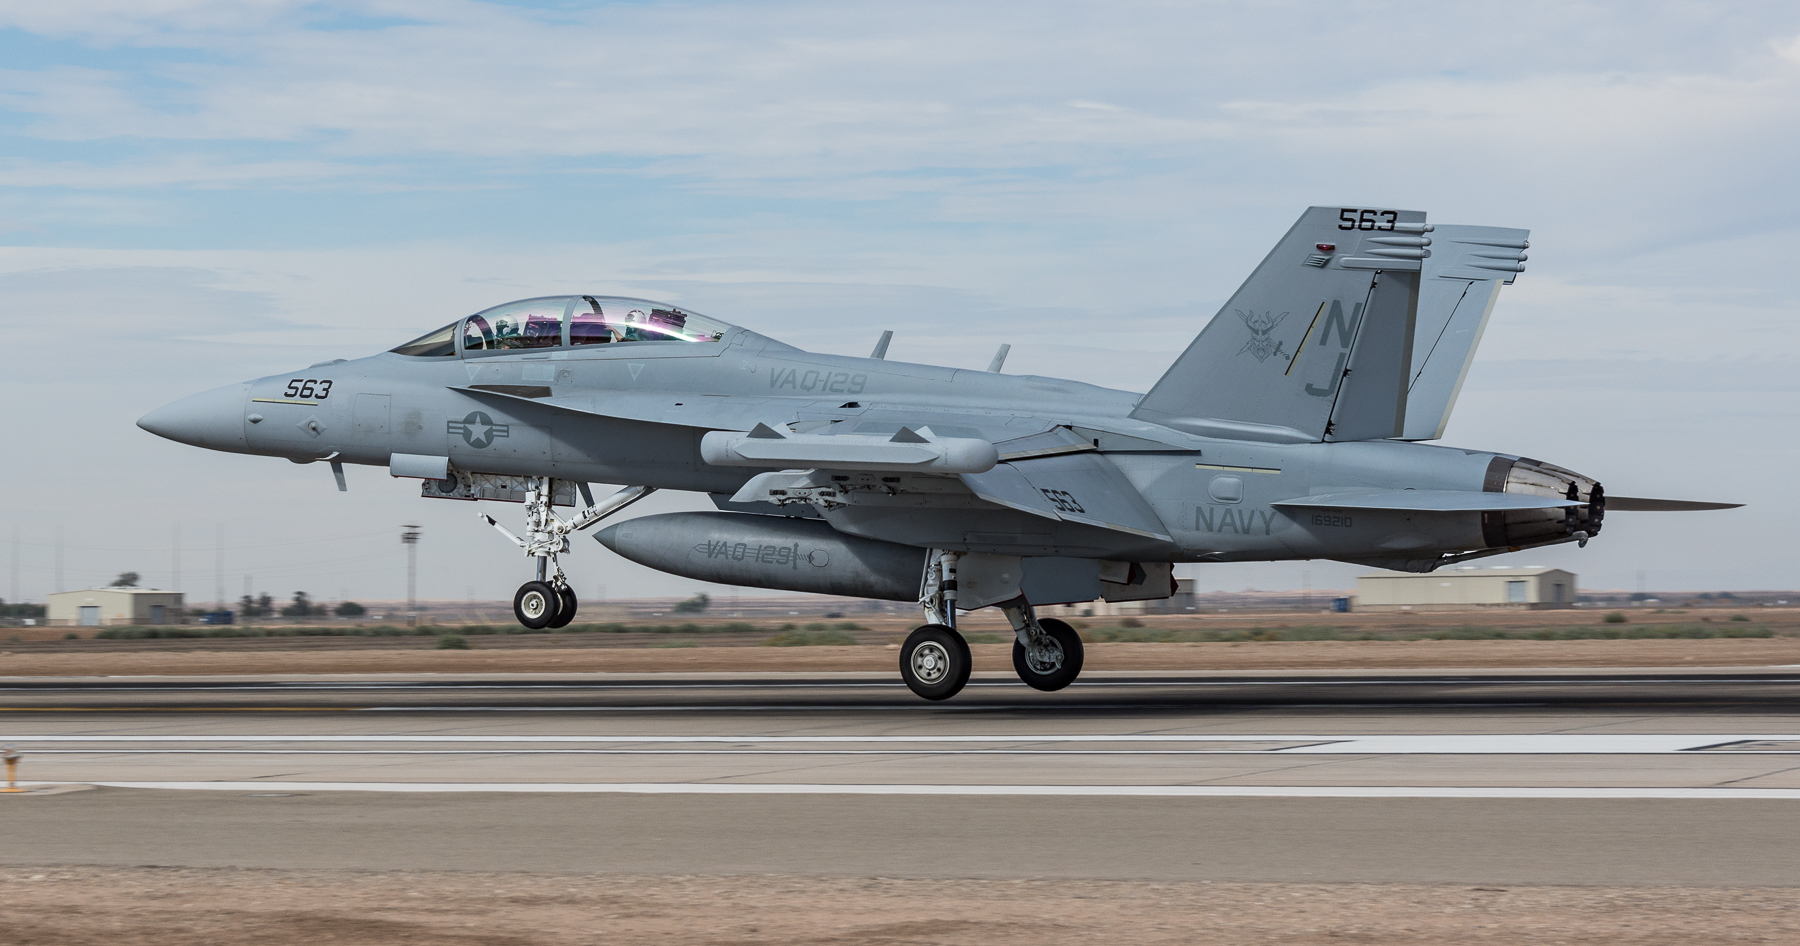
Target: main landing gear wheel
x,y
1055,663
566,605
934,662
536,605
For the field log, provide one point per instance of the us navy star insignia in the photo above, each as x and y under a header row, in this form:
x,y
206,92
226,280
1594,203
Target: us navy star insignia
x,y
478,430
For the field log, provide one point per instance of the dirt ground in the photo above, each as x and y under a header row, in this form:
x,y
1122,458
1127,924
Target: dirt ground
x,y
41,652
197,658
181,907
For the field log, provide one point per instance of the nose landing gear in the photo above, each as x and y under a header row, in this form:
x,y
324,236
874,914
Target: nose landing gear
x,y
548,601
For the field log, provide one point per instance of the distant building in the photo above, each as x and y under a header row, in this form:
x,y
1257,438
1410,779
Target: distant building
x,y
100,607
1453,589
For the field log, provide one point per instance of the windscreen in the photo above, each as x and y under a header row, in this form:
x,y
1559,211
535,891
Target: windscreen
x,y
438,344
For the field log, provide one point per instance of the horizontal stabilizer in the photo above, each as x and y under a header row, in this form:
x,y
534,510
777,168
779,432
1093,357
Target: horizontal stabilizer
x,y
1633,504
1431,500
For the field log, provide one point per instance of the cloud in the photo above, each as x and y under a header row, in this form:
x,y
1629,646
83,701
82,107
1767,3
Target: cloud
x,y
1789,49
202,192
185,171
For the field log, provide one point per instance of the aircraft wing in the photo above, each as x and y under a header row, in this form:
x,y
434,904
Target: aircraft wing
x,y
1043,470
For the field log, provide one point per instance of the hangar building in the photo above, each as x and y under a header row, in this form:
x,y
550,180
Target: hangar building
x,y
1452,589
102,606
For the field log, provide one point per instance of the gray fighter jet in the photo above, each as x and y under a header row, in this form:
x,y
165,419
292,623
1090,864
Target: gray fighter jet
x,y
1288,429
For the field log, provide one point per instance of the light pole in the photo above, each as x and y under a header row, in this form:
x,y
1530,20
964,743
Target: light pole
x,y
409,537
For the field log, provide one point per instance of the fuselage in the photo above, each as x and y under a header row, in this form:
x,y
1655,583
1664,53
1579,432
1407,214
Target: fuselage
x,y
634,414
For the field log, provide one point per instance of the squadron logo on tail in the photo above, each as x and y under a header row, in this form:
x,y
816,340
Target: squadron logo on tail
x,y
1260,344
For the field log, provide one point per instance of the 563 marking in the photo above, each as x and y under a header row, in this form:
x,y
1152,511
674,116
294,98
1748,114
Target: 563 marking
x,y
313,390
1350,218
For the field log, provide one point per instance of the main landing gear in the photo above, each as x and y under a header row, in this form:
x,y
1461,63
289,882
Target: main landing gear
x,y
548,601
935,662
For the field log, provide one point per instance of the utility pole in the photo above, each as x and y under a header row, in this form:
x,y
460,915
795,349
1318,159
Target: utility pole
x,y
59,585
409,536
219,565
175,558
15,567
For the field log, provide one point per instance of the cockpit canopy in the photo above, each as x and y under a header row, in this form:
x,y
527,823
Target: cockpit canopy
x,y
558,321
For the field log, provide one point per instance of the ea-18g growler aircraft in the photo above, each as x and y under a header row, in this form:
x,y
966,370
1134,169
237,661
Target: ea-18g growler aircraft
x,y
1288,429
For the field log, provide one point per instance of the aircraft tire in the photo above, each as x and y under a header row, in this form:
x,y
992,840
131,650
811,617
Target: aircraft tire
x,y
1065,673
565,608
536,604
934,662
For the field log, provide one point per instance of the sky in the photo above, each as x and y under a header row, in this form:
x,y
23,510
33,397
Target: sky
x,y
195,192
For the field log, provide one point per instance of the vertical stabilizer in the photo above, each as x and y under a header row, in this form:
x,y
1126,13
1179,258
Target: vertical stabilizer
x,y
1459,285
1316,344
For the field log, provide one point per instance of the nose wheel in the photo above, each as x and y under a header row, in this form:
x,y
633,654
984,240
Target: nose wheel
x,y
539,604
536,604
567,604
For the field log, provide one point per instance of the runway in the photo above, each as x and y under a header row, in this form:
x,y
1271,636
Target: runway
x,y
1746,688
1551,777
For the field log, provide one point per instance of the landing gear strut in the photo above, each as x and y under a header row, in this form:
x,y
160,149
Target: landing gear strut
x,y
934,661
548,601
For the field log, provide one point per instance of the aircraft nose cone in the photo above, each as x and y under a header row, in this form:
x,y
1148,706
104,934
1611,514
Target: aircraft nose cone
x,y
212,419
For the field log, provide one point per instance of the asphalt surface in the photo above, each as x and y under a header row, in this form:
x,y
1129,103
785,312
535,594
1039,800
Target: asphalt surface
x,y
1772,689
1553,777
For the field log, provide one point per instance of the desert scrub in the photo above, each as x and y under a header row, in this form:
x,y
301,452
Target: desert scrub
x,y
812,635
1113,635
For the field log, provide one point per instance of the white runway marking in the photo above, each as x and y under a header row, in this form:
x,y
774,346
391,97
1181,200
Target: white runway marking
x,y
1141,791
1429,744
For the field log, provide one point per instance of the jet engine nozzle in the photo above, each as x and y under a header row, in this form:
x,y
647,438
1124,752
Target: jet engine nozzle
x,y
211,419
1518,528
